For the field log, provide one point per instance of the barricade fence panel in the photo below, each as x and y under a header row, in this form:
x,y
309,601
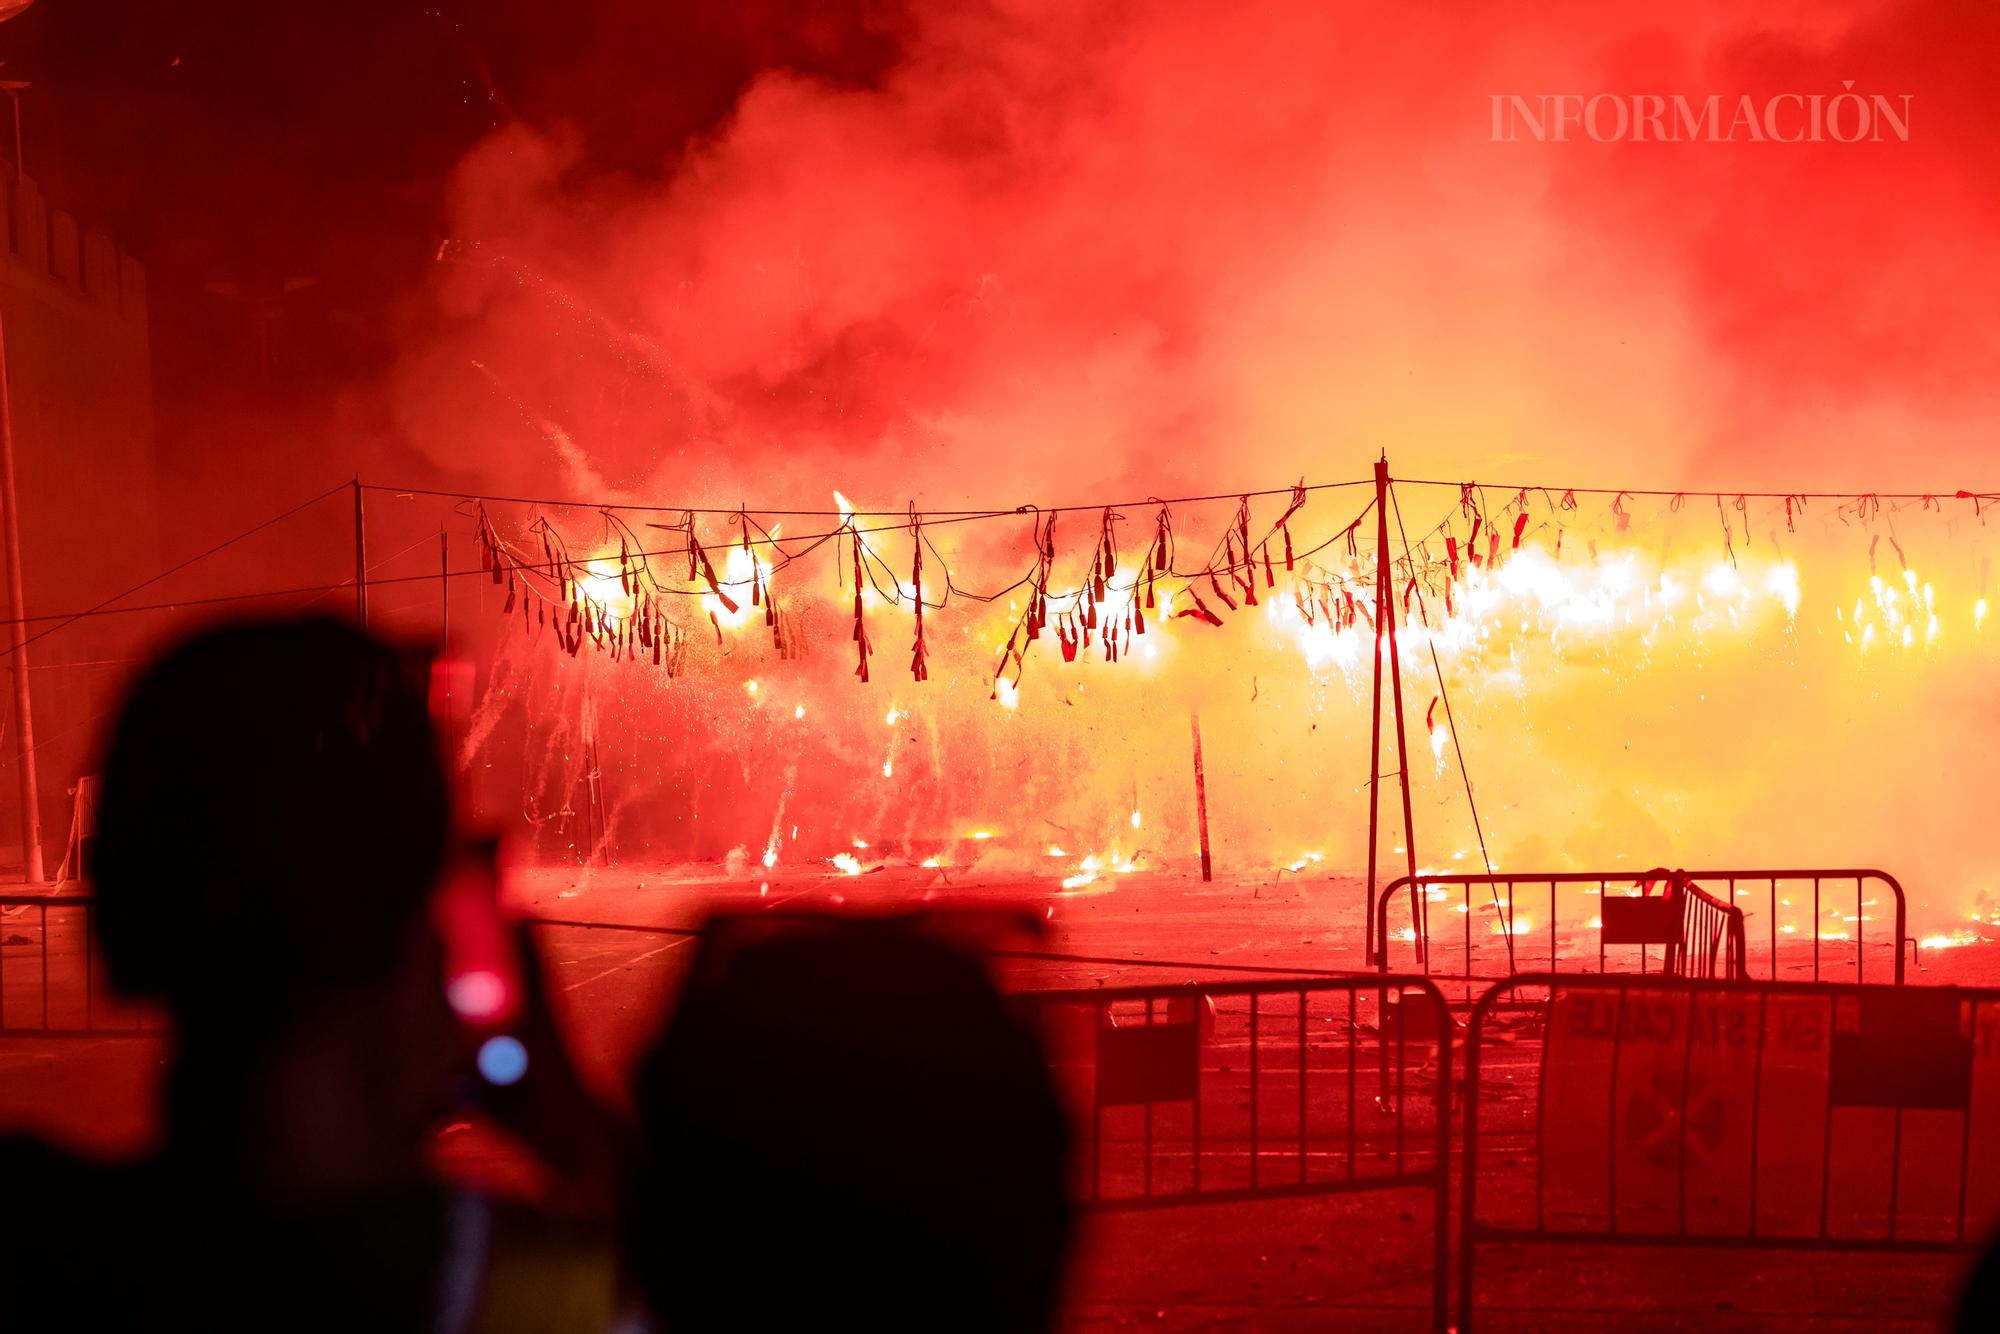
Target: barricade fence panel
x,y
51,981
1826,924
1200,1094
1596,1108
1729,1114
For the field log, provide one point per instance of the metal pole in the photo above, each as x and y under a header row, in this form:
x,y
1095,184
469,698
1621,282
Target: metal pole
x,y
1201,797
24,712
1386,617
444,635
13,89
1369,944
20,158
598,852
360,561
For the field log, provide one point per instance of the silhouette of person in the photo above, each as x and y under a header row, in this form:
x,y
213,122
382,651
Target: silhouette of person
x,y
274,821
1979,1297
846,1128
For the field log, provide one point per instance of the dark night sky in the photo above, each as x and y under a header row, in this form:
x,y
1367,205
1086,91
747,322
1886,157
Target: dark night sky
x,y
243,143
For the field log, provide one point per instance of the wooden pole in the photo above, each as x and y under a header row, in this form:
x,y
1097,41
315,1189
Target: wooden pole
x,y
1201,798
360,561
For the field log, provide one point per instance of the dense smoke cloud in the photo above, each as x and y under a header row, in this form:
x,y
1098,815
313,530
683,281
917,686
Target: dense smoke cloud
x,y
1050,253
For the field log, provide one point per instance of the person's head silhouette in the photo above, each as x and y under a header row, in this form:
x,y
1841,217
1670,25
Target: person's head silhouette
x,y
847,1128
274,816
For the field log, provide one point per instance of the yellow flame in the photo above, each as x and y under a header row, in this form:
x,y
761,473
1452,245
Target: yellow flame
x,y
740,574
600,583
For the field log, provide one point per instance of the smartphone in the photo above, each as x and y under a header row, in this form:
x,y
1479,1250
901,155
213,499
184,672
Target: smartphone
x,y
482,963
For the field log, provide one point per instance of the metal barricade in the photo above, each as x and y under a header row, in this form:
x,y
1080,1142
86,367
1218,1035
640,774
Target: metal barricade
x,y
49,984
1734,1115
1807,921
1254,1090
1709,939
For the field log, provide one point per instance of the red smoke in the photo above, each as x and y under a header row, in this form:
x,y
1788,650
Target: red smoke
x,y
1052,253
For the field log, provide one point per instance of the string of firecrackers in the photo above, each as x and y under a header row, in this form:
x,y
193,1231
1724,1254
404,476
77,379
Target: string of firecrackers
x,y
919,655
1086,620
761,596
553,598
1084,617
1511,525
861,645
